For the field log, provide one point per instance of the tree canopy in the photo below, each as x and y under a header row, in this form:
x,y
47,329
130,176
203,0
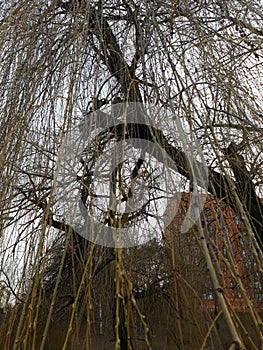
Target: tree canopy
x,y
198,66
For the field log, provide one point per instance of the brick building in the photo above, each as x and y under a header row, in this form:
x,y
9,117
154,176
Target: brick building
x,y
230,248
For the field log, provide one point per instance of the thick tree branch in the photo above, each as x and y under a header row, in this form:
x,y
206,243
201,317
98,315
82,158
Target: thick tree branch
x,y
218,183
246,189
109,50
115,61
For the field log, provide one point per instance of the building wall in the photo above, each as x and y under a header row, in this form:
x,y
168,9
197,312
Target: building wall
x,y
230,248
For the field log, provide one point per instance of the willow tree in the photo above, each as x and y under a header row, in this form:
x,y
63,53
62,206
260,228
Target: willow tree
x,y
66,61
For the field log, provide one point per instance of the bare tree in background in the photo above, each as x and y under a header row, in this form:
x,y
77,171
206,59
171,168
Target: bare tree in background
x,y
61,61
